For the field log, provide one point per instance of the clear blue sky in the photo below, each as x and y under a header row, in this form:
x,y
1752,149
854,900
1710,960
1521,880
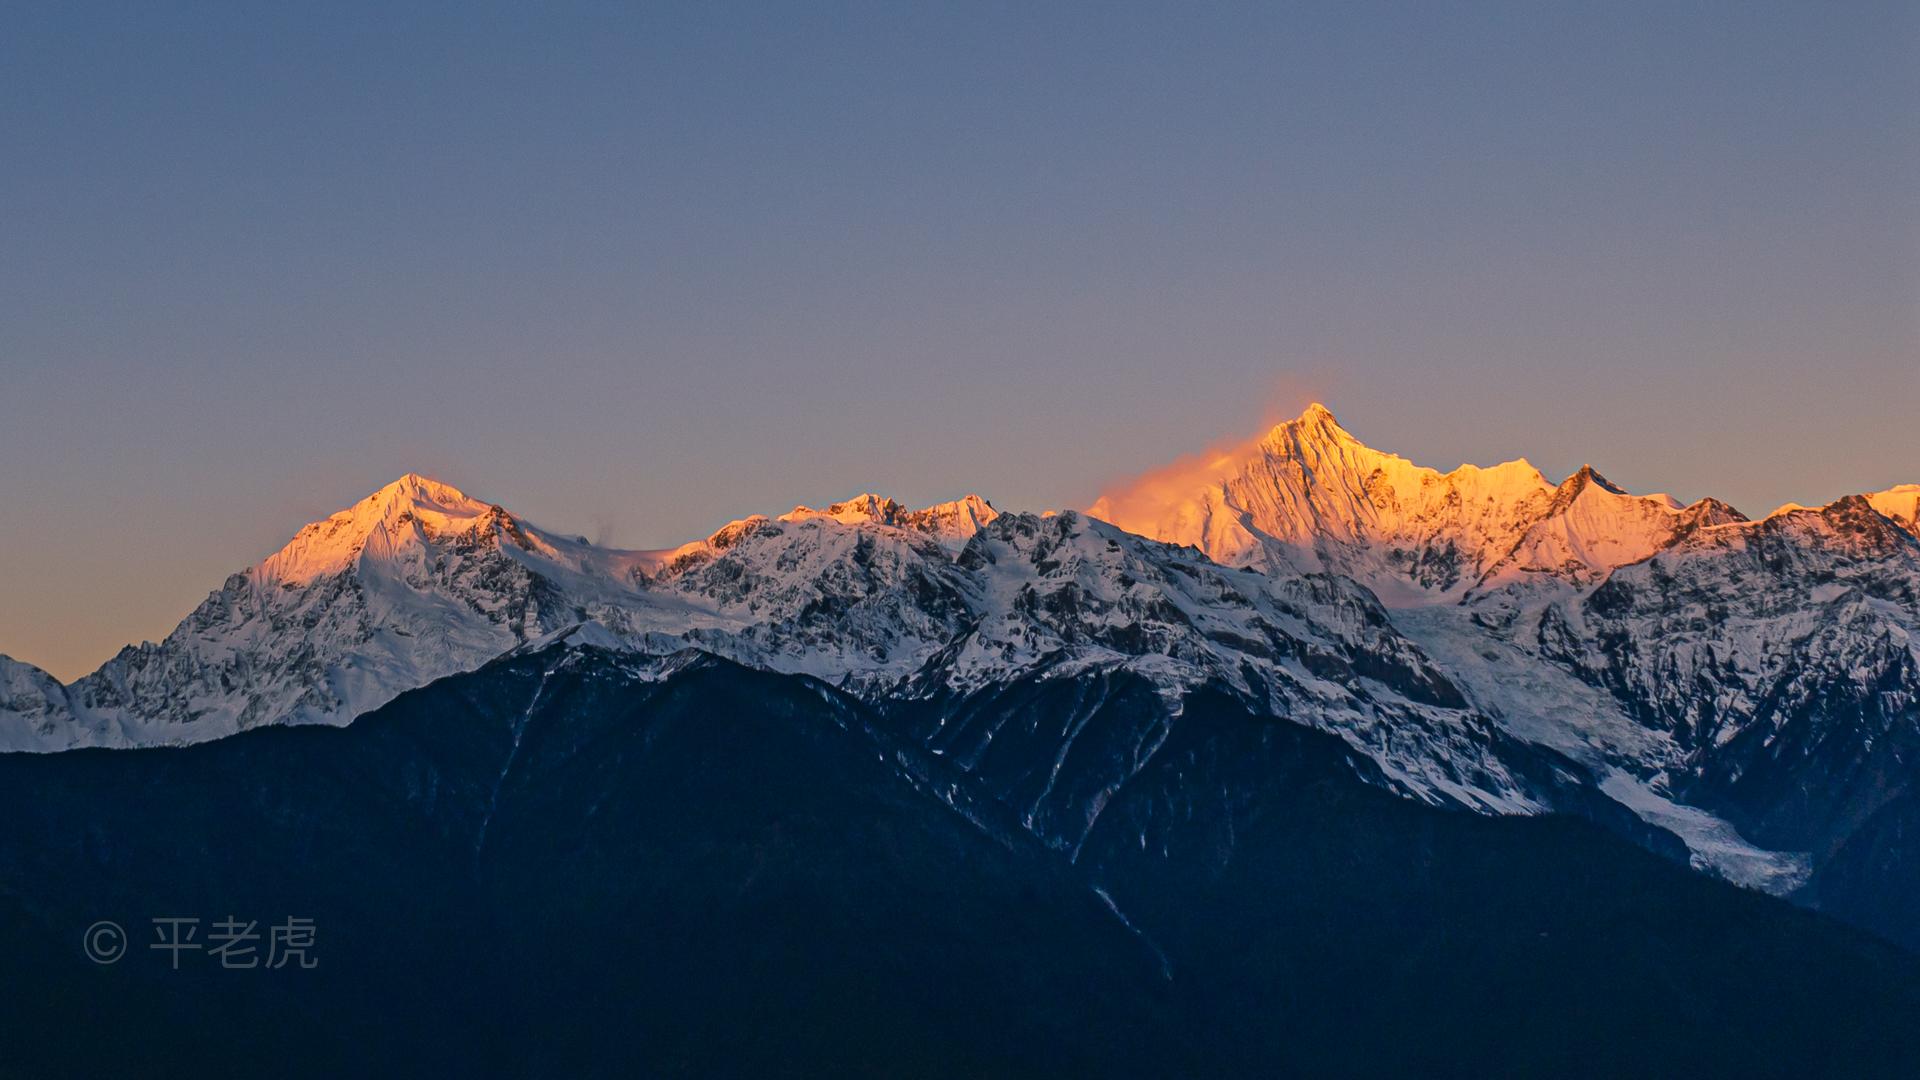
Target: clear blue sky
x,y
637,272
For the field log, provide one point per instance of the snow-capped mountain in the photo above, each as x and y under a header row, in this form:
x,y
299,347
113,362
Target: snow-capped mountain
x,y
1485,637
1309,496
419,581
412,583
1783,656
1751,685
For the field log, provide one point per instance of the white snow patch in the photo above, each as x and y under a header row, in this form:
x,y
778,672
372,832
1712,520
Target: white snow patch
x,y
1715,845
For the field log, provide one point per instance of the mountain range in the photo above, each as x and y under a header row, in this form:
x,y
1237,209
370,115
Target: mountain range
x,y
577,861
1738,696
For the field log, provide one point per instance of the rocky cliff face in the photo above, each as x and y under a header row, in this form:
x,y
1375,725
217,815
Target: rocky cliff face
x,y
1780,654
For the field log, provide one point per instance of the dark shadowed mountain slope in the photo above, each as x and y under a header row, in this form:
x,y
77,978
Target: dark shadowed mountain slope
x,y
534,872
1873,880
582,863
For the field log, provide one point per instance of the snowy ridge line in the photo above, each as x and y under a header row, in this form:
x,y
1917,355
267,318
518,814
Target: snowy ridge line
x,y
1685,657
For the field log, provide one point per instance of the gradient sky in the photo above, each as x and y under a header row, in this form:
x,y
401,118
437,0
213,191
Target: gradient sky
x,y
634,273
